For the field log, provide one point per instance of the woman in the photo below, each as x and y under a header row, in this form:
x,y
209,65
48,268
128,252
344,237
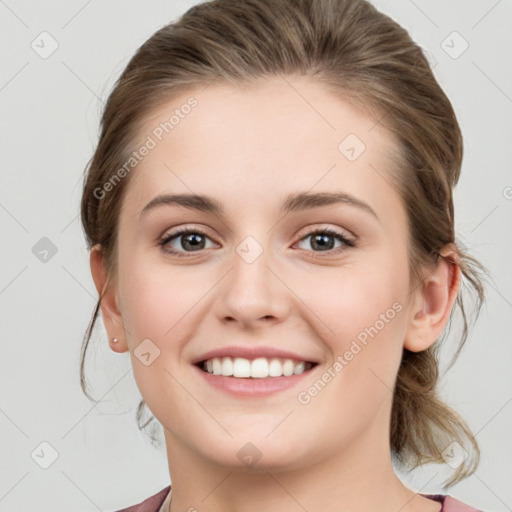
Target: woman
x,y
270,217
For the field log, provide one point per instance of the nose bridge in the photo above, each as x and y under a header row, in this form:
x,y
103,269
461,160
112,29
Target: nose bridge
x,y
252,291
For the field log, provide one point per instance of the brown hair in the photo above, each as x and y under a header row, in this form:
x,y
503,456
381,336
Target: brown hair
x,y
367,59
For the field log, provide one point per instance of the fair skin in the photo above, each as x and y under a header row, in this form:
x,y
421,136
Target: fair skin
x,y
249,148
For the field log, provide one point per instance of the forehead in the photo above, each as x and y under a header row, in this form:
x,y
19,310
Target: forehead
x,y
249,144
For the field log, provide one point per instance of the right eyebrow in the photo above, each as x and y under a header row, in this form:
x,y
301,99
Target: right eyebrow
x,y
293,202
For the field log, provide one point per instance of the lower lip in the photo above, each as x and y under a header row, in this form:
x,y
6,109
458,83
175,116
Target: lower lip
x,y
250,387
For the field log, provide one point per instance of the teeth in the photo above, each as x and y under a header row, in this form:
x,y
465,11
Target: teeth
x,y
241,367
288,367
227,366
259,368
217,367
275,368
299,368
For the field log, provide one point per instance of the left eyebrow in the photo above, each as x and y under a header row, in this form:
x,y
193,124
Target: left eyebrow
x,y
293,202
191,201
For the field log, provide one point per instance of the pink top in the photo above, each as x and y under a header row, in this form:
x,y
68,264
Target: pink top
x,y
153,503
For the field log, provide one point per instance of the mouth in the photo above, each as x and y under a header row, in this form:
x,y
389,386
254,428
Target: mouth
x,y
257,368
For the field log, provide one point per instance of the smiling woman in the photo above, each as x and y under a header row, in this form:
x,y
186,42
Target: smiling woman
x,y
285,255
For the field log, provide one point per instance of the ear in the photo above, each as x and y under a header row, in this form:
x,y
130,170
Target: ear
x,y
433,302
109,305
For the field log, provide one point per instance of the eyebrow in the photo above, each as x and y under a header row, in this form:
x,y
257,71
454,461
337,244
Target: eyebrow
x,y
293,202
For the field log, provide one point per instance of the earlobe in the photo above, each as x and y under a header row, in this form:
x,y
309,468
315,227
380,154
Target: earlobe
x,y
110,313
433,302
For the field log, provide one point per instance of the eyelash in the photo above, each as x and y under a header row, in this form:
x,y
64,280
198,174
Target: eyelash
x,y
326,231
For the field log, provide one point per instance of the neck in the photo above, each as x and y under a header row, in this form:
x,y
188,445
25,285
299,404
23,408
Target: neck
x,y
358,478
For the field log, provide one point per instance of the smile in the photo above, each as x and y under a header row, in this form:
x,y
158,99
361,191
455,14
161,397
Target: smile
x,y
258,368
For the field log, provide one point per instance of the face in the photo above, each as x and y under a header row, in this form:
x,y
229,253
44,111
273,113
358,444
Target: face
x,y
266,275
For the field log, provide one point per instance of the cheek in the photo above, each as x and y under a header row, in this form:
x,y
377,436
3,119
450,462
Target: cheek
x,y
154,299
365,313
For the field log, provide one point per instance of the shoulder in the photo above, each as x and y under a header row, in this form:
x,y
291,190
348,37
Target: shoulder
x,y
451,504
151,504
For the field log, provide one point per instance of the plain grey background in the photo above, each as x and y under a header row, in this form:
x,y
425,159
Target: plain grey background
x,y
50,107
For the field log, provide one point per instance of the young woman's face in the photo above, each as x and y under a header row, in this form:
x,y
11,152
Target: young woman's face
x,y
262,277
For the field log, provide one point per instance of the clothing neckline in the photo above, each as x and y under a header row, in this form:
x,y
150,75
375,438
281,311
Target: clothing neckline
x,y
166,493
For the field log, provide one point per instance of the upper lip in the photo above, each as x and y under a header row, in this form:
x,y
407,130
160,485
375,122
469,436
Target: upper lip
x,y
251,352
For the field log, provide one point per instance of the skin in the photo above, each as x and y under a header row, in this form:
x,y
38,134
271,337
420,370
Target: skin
x,y
249,148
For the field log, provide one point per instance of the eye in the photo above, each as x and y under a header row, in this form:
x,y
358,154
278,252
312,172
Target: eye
x,y
323,239
193,241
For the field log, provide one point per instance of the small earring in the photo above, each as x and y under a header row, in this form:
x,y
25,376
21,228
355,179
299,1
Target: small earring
x,y
114,340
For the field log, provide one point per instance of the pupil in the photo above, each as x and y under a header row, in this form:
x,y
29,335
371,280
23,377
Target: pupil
x,y
320,239
193,239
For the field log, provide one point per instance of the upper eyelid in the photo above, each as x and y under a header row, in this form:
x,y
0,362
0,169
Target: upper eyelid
x,y
339,232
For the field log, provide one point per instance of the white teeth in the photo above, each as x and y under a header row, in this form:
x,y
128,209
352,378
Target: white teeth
x,y
259,368
227,366
275,368
241,367
288,367
299,368
216,366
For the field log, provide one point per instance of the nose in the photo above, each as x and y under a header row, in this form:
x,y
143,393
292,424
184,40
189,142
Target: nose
x,y
252,293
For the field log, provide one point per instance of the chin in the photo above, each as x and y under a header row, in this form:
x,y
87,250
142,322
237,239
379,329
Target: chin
x,y
248,454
